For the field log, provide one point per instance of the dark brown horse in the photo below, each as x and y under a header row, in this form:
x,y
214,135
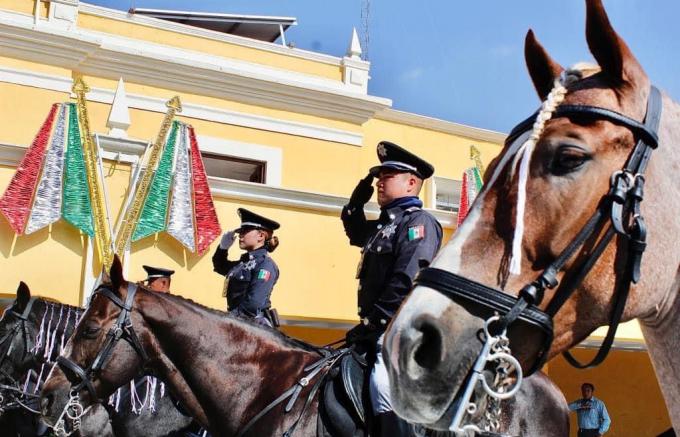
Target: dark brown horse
x,y
224,370
565,184
32,333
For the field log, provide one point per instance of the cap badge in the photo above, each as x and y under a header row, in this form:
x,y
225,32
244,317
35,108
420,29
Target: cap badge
x,y
381,150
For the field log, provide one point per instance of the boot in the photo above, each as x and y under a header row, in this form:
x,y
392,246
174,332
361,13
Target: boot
x,y
391,425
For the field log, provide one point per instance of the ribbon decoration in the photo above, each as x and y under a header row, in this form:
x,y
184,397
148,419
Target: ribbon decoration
x,y
15,204
61,177
132,213
102,233
471,186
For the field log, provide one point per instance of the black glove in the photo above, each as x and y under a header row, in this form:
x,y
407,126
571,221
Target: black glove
x,y
361,333
363,191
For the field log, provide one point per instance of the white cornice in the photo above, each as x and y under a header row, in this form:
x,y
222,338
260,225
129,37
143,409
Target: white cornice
x,y
112,56
185,29
439,125
232,189
200,112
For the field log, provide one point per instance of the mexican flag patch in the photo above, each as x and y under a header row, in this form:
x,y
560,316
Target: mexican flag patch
x,y
415,232
264,275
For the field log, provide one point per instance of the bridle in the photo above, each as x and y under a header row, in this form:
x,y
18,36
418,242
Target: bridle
x,y
618,213
83,378
19,326
121,329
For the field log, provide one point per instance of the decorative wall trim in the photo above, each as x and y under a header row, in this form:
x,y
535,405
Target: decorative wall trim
x,y
200,112
239,190
185,29
112,56
438,125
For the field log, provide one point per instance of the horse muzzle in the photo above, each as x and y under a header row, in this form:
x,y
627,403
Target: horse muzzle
x,y
426,363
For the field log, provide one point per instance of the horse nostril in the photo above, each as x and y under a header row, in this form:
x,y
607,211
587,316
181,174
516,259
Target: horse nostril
x,y
428,354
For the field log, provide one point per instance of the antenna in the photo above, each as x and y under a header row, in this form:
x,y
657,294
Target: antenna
x,y
365,17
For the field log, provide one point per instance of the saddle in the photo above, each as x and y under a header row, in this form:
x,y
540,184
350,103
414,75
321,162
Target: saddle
x,y
344,403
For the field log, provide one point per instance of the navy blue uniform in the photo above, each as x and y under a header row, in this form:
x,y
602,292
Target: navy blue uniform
x,y
250,281
392,247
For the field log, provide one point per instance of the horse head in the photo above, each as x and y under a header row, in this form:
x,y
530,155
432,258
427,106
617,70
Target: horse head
x,y
538,195
17,336
107,349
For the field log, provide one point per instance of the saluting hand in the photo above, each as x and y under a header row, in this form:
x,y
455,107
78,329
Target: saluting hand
x,y
228,239
363,191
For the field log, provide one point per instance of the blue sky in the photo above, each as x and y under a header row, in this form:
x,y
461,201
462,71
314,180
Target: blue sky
x,y
462,61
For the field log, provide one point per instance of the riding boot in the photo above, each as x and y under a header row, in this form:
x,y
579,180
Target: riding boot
x,y
391,425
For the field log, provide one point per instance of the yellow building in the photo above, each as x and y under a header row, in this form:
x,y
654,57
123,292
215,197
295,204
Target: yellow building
x,y
283,131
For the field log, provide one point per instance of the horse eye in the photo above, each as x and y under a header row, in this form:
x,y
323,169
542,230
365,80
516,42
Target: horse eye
x,y
568,159
90,331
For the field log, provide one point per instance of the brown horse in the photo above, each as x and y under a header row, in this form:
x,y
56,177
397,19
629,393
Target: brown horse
x,y
580,145
224,370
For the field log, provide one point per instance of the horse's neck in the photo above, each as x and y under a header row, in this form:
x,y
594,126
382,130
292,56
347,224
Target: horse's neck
x,y
231,367
661,267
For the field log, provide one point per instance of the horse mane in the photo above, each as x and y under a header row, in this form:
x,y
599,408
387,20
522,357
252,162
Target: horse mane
x,y
272,333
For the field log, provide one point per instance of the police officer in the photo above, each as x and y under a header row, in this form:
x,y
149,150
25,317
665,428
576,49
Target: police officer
x,y
393,246
250,279
158,279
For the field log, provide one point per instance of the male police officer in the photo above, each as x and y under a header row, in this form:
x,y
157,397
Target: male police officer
x,y
158,279
393,246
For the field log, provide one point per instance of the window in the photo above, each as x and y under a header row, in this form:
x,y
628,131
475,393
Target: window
x,y
229,167
447,194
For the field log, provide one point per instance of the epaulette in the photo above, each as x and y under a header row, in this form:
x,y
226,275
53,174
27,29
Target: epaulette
x,y
412,209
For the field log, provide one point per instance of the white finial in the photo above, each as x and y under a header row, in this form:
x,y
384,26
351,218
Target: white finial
x,y
119,117
354,50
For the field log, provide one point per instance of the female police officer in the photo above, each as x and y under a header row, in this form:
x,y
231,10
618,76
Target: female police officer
x,y
250,279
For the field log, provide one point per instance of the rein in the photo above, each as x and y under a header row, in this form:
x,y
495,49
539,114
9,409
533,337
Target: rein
x,y
618,213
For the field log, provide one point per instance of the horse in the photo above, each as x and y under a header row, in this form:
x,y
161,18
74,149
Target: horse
x,y
553,244
235,377
33,332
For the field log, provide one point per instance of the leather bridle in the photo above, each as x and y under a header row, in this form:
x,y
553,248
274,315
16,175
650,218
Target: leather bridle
x,y
122,328
618,213
19,326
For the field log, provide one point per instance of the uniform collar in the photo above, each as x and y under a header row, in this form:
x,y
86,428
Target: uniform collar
x,y
397,207
257,253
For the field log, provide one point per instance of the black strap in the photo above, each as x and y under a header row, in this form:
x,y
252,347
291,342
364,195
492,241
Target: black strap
x,y
320,367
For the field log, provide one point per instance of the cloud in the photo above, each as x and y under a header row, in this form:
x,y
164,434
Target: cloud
x,y
412,74
502,51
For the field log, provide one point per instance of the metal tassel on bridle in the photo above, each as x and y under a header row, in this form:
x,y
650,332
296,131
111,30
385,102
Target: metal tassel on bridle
x,y
102,234
132,214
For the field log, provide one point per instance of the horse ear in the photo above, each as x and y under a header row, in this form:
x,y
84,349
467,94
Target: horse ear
x,y
610,51
23,296
116,272
542,68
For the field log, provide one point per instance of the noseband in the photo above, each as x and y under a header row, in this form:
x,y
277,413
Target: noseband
x,y
121,329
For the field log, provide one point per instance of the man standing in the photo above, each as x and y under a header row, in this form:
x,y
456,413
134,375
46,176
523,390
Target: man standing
x,y
158,279
393,249
593,418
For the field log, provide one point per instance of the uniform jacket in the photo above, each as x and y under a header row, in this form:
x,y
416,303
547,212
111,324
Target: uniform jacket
x,y
392,248
251,280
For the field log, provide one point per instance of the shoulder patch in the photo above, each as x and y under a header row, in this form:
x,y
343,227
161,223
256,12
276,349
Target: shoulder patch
x,y
416,232
264,274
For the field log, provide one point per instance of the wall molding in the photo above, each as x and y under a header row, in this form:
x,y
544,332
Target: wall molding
x,y
190,110
239,190
185,29
439,125
111,56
